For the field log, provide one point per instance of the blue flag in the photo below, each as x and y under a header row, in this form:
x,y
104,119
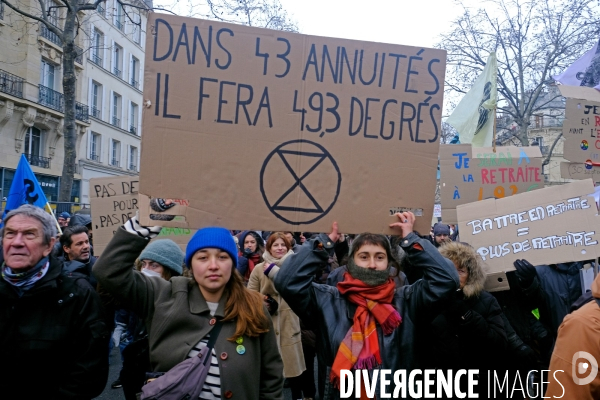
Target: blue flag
x,y
25,189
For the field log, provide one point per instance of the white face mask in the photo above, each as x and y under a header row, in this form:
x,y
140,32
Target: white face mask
x,y
149,272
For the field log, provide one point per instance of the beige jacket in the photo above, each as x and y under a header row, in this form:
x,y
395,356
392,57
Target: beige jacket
x,y
578,333
286,323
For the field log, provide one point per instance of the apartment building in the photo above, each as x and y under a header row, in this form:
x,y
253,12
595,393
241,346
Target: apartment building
x,y
31,99
114,66
109,70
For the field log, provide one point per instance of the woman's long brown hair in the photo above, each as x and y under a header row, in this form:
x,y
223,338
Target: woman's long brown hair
x,y
246,306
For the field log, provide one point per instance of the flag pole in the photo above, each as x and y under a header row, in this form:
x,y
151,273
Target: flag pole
x,y
55,220
494,132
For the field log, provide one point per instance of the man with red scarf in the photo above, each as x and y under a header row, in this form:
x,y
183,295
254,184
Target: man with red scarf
x,y
364,323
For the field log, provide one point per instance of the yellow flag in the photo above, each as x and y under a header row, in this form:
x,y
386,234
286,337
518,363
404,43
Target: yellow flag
x,y
473,117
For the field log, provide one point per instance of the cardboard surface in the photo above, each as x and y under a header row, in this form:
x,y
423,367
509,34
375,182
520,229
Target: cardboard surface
x,y
569,170
113,201
471,174
581,127
270,130
555,224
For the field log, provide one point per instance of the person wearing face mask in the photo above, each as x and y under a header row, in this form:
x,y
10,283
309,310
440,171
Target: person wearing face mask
x,y
181,313
364,322
250,255
161,259
286,323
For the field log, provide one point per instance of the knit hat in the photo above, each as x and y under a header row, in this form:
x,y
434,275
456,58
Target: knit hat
x,y
215,237
166,253
441,229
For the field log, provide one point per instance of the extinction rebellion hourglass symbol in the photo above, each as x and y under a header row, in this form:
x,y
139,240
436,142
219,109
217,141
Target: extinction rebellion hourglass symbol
x,y
313,182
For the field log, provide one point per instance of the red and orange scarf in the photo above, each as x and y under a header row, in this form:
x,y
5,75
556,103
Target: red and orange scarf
x,y
360,347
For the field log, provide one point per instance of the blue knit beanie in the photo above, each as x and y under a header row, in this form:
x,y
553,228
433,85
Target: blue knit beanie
x,y
166,253
211,237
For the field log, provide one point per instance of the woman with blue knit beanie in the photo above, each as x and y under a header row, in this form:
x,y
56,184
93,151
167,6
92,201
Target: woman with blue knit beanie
x,y
180,313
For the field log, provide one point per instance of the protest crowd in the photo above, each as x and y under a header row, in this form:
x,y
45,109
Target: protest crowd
x,y
281,299
497,297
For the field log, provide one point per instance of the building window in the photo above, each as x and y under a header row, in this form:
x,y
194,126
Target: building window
x,y
540,140
119,17
52,12
33,148
2,14
539,120
117,60
116,110
133,113
33,141
97,47
115,153
133,156
95,141
96,100
137,28
47,74
134,73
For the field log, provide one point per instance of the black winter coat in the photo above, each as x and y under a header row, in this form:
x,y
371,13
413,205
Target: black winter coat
x,y
53,339
331,314
466,334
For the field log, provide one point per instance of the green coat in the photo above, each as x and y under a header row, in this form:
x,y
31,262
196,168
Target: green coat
x,y
177,317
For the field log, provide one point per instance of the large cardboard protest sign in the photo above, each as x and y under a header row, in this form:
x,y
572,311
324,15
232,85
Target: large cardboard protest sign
x,y
548,226
581,127
472,174
113,201
570,170
273,130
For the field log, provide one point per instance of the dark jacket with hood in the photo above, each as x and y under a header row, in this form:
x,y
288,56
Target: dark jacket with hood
x,y
468,332
323,308
553,291
53,339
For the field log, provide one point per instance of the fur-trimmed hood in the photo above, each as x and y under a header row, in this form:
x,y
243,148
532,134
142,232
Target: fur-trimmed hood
x,y
464,255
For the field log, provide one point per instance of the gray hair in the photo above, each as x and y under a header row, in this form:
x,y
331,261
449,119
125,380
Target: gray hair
x,y
27,210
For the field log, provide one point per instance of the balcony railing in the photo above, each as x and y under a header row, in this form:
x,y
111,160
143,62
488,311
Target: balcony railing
x,y
132,167
51,98
114,162
117,72
96,113
133,129
56,101
79,56
96,60
11,84
51,36
116,122
95,157
135,83
38,161
82,112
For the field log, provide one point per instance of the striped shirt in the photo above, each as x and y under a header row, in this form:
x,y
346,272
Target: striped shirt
x,y
212,386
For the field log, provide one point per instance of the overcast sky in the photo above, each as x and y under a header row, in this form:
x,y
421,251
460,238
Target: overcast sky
x,y
408,22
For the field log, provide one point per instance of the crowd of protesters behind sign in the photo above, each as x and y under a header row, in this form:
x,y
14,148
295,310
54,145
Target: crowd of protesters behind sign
x,y
426,295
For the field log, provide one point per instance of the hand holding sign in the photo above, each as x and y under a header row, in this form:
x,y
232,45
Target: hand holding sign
x,y
407,221
525,272
335,234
